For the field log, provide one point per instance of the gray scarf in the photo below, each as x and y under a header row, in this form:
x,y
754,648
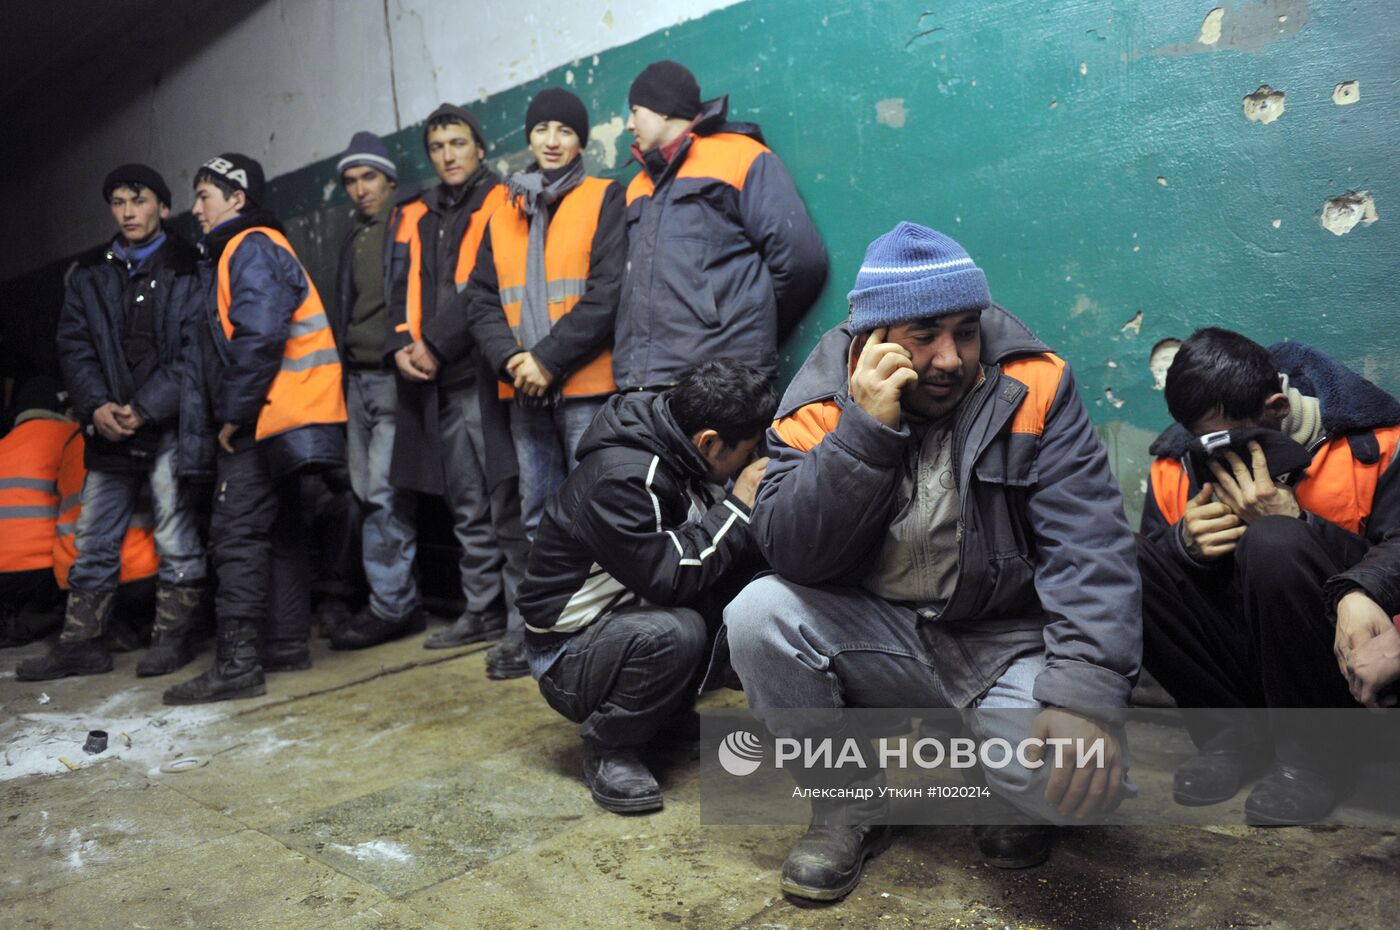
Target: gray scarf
x,y
532,195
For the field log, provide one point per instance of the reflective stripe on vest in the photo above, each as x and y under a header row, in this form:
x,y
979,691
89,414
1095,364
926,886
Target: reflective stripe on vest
x,y
567,258
29,457
307,388
139,559
1337,487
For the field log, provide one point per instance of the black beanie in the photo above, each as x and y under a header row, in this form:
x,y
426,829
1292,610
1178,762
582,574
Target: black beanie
x,y
136,173
238,171
555,104
451,113
667,88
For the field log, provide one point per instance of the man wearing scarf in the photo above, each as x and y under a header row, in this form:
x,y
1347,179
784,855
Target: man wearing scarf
x,y
119,335
542,299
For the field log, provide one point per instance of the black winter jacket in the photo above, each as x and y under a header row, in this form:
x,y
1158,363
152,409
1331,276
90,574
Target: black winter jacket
x,y
636,520
90,330
1046,561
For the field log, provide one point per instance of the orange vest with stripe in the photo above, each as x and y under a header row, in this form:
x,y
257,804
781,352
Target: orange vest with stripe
x,y
307,388
1337,487
725,156
806,426
139,559
568,254
29,458
406,234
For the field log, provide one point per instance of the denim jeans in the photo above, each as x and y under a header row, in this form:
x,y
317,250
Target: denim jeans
x,y
389,535
624,676
806,647
109,501
545,441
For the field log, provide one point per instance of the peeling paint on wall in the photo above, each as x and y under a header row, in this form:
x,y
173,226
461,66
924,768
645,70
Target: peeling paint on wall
x,y
602,141
1161,359
1133,327
1346,93
1264,105
1082,304
891,112
1246,27
1340,215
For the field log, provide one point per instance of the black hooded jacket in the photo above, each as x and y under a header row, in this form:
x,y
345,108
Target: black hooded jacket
x,y
636,521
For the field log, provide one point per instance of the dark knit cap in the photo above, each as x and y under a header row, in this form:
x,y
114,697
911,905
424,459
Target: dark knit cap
x,y
668,88
136,173
451,113
914,273
239,172
367,149
555,104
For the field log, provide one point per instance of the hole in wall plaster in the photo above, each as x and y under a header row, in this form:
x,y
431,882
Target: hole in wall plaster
x,y
1276,223
1264,105
1161,359
1161,180
1210,27
1340,215
1054,104
1083,68
1346,93
1133,326
891,112
1109,396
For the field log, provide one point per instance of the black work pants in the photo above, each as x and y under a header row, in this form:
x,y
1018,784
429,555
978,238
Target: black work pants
x,y
624,676
1252,630
258,548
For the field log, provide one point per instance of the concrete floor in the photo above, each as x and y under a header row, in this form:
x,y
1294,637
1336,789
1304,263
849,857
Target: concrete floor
x,y
399,788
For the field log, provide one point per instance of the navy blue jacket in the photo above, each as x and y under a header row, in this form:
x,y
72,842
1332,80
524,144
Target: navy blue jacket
x,y
93,321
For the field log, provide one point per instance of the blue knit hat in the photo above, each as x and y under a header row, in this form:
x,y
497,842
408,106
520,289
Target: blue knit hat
x,y
913,273
366,148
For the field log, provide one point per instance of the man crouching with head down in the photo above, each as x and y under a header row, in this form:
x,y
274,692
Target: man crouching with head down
x,y
946,532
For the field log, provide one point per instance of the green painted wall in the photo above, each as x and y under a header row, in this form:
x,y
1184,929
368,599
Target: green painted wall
x,y
1091,155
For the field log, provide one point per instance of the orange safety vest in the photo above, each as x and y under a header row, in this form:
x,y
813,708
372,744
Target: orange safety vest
x,y
29,457
139,559
307,389
1337,487
567,257
725,156
406,233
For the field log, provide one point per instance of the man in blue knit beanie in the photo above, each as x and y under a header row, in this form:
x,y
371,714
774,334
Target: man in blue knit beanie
x,y
946,533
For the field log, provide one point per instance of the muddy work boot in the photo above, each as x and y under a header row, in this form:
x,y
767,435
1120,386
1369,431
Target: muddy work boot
x,y
620,781
507,659
826,863
236,672
178,612
79,650
370,629
469,628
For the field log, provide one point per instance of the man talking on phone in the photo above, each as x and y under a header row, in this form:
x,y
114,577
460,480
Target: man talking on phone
x,y
1266,584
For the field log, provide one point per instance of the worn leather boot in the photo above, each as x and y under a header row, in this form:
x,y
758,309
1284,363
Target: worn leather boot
x,y
1214,776
79,650
285,655
234,674
1291,795
619,781
507,659
370,629
1014,846
469,628
178,612
826,863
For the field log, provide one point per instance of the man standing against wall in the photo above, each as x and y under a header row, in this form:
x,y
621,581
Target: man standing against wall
x,y
127,311
722,258
359,320
272,376
446,441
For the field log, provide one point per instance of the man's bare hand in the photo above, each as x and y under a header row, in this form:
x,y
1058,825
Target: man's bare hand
x,y
1361,621
226,437
1085,791
403,359
746,485
105,419
1249,490
1210,529
1375,670
422,358
883,371
531,378
128,417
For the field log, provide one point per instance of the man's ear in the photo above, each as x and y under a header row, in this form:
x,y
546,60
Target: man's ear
x,y
704,440
240,200
1276,407
165,211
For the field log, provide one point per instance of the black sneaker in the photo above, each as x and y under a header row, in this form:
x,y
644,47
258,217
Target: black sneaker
x,y
620,782
826,863
1289,796
370,629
